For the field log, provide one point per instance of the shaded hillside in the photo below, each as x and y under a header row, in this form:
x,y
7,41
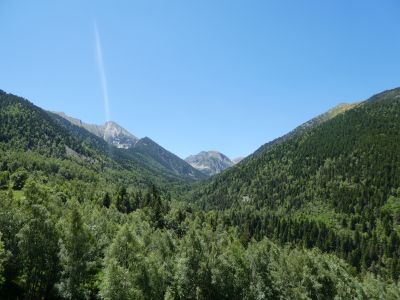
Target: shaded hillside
x,y
110,131
341,108
81,219
26,127
338,179
144,151
166,159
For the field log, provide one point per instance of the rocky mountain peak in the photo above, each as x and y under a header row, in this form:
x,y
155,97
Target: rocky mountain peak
x,y
110,131
209,162
118,136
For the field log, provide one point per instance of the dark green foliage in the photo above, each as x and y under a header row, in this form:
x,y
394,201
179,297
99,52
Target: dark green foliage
x,y
2,260
316,216
4,180
18,179
25,127
333,185
148,148
10,225
106,200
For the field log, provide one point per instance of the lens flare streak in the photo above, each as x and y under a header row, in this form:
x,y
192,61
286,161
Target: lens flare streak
x,y
102,71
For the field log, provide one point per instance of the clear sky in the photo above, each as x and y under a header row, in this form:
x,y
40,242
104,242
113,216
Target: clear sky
x,y
199,75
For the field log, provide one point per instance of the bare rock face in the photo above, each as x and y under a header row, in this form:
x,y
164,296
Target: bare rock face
x,y
209,162
118,136
110,131
146,150
237,159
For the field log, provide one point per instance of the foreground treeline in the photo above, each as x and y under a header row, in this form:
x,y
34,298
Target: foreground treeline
x,y
314,217
376,251
335,186
52,247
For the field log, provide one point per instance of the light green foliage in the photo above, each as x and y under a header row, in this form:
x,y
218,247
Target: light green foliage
x,y
75,255
125,273
35,193
38,246
312,275
313,217
138,262
331,185
392,207
213,264
377,289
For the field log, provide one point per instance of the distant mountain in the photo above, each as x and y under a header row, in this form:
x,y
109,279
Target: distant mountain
x,y
118,136
210,162
65,191
145,151
332,181
147,147
213,162
254,163
26,127
237,160
110,131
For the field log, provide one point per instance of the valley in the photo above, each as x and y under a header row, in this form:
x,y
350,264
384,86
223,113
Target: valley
x,y
92,211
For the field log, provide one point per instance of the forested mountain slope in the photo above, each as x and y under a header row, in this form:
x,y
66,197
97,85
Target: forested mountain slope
x,y
144,151
23,127
110,131
80,219
355,145
168,160
335,186
307,126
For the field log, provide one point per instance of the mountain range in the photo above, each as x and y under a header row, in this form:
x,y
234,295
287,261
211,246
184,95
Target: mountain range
x,y
60,136
211,162
207,162
318,208
333,178
144,150
110,131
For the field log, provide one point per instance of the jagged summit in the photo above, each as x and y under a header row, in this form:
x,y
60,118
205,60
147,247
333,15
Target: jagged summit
x,y
237,159
118,136
145,149
110,131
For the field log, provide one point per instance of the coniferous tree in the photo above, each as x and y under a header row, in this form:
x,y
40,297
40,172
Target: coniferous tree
x,y
121,199
75,244
4,180
106,200
18,179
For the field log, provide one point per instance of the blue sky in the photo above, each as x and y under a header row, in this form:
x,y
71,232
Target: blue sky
x,y
199,75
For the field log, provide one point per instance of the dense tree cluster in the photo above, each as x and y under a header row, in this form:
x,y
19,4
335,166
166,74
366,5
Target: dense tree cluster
x,y
335,186
316,216
162,250
26,127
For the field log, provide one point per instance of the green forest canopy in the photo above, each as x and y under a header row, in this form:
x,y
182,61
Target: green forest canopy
x,y
313,217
